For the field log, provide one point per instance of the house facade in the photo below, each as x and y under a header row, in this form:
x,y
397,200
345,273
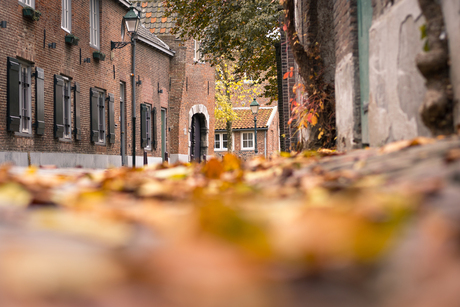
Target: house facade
x,y
66,96
244,143
192,90
373,49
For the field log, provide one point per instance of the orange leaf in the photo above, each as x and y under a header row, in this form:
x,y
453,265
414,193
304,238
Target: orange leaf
x,y
286,75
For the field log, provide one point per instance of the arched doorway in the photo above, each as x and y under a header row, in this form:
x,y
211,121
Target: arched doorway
x,y
196,136
198,132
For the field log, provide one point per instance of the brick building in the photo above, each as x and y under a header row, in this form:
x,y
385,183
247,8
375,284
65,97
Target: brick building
x,y
243,133
192,90
69,104
369,48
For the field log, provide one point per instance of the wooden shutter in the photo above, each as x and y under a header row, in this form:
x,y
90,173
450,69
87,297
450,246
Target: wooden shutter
x,y
76,106
154,128
14,112
40,100
58,107
94,101
143,126
111,119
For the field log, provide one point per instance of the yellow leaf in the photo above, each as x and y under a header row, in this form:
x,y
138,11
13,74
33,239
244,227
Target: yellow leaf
x,y
314,120
320,135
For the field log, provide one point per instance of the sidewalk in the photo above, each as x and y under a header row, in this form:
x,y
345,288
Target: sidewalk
x,y
372,227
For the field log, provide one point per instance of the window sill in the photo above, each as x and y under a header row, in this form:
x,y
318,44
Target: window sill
x,y
25,5
247,149
99,143
95,47
65,140
23,134
223,150
66,30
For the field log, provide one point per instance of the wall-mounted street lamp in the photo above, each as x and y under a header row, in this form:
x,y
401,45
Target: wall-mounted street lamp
x,y
52,45
130,23
255,109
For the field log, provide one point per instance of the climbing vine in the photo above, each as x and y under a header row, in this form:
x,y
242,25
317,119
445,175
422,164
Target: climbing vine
x,y
313,111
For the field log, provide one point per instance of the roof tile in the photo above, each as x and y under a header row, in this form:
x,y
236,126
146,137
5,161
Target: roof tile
x,y
246,119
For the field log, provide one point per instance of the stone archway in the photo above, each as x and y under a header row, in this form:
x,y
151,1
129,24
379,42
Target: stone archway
x,y
198,127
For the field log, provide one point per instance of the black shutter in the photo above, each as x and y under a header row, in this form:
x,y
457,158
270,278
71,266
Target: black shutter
x,y
76,105
111,119
94,101
58,107
143,126
154,128
40,100
14,112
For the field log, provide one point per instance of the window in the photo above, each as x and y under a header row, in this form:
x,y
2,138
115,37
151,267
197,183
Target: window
x,y
30,3
220,141
146,126
247,140
101,115
94,23
25,98
197,53
97,116
66,15
66,108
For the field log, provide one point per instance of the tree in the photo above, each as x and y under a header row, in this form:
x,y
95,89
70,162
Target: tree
x,y
230,91
241,31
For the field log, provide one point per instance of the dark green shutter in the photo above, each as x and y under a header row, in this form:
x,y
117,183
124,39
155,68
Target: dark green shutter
x,y
143,126
14,115
94,101
58,107
154,128
111,119
76,105
40,100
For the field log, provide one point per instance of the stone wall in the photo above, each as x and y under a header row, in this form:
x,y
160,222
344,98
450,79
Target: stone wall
x,y
396,86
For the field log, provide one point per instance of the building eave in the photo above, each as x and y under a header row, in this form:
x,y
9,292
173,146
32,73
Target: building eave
x,y
171,53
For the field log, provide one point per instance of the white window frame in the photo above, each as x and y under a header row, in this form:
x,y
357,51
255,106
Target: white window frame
x,y
220,142
25,98
66,108
101,117
247,140
94,24
148,126
66,15
30,3
196,52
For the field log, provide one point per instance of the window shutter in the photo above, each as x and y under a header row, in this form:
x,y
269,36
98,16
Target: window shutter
x,y
76,105
58,107
14,116
111,119
40,100
154,128
94,115
143,126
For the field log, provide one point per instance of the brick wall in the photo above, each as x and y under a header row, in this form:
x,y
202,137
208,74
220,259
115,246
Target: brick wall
x,y
26,40
191,84
288,138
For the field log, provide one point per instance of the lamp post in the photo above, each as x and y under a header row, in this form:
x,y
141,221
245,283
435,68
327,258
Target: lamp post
x,y
131,23
255,109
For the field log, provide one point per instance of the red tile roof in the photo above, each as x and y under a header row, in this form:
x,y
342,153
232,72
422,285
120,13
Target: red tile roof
x,y
246,119
152,16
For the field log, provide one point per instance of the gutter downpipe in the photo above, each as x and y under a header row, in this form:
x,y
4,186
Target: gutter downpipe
x,y
265,144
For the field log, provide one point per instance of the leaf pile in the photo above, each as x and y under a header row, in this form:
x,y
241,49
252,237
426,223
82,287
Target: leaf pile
x,y
315,228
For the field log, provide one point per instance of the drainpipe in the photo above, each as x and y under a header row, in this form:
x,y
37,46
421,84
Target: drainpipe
x,y
133,106
265,144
